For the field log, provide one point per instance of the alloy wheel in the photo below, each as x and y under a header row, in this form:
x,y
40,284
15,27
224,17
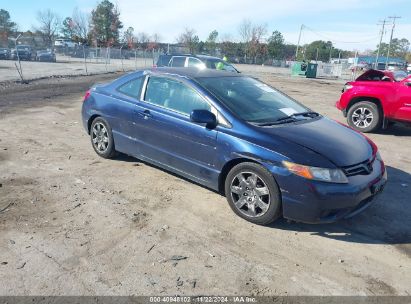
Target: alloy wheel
x,y
250,194
362,117
100,137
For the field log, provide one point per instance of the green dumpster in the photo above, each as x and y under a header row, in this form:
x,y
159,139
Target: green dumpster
x,y
311,70
298,68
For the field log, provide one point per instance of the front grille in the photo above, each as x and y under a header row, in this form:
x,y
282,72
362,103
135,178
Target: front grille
x,y
363,168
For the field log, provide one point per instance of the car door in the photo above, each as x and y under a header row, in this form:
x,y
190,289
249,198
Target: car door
x,y
121,106
403,111
168,136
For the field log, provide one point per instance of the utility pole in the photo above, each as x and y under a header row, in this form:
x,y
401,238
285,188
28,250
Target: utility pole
x,y
331,48
379,45
298,43
392,33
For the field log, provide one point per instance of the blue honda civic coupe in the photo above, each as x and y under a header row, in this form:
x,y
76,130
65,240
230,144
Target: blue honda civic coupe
x,y
268,154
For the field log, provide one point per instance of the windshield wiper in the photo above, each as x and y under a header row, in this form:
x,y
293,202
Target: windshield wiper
x,y
288,119
307,114
279,121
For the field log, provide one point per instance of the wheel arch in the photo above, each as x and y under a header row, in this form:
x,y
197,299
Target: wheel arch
x,y
374,100
90,121
228,166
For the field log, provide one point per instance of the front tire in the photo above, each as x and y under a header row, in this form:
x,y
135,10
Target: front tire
x,y
101,138
365,116
253,194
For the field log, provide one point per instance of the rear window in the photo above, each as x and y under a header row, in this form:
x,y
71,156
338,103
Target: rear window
x,y
132,88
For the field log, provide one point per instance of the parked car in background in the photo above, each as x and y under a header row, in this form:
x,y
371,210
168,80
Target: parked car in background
x,y
63,42
22,52
163,60
267,153
46,55
4,53
197,61
375,98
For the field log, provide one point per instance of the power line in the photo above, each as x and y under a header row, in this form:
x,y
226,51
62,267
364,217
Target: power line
x,y
339,41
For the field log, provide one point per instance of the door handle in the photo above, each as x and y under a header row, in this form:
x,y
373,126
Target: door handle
x,y
145,114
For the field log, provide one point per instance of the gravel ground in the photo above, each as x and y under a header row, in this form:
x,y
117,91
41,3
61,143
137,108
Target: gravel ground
x,y
75,224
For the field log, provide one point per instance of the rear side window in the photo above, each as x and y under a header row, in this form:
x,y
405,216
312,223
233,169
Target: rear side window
x,y
178,62
174,95
132,88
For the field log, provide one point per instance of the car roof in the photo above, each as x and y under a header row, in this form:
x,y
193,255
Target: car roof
x,y
193,55
208,57
193,73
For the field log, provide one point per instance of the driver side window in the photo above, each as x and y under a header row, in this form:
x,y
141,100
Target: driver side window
x,y
174,95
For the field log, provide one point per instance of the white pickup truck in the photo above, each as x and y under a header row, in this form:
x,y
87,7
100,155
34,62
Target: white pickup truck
x,y
64,43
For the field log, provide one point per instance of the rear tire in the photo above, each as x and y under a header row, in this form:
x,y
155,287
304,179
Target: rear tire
x,y
253,194
101,138
365,116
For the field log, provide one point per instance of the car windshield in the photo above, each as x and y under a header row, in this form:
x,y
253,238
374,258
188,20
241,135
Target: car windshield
x,y
400,75
252,100
217,64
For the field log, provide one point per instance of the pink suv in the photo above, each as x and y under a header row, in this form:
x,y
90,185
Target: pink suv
x,y
376,98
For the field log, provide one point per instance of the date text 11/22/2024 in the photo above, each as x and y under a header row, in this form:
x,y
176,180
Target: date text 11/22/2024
x,y
203,299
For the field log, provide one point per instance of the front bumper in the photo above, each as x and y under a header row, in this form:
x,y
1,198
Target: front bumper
x,y
320,202
340,107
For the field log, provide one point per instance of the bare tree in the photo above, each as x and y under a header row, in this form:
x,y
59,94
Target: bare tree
x,y
245,30
155,38
81,24
189,39
49,24
143,39
251,35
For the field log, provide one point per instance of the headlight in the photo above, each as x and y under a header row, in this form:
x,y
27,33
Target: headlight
x,y
315,173
347,87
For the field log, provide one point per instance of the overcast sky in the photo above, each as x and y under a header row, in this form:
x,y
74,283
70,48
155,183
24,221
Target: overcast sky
x,y
350,24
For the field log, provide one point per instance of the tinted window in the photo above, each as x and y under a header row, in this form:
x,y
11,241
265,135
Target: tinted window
x,y
252,100
174,95
163,60
132,88
178,62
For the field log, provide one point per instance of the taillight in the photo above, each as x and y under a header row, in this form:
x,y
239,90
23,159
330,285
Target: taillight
x,y
87,95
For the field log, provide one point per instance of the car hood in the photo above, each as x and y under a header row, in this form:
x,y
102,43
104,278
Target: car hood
x,y
336,142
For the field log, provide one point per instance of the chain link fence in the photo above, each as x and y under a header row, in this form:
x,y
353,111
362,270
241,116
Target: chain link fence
x,y
83,60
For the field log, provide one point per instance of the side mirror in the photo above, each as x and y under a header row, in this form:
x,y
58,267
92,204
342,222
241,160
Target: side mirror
x,y
204,117
408,83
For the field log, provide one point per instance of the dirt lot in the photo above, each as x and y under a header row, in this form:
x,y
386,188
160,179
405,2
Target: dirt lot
x,y
75,224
